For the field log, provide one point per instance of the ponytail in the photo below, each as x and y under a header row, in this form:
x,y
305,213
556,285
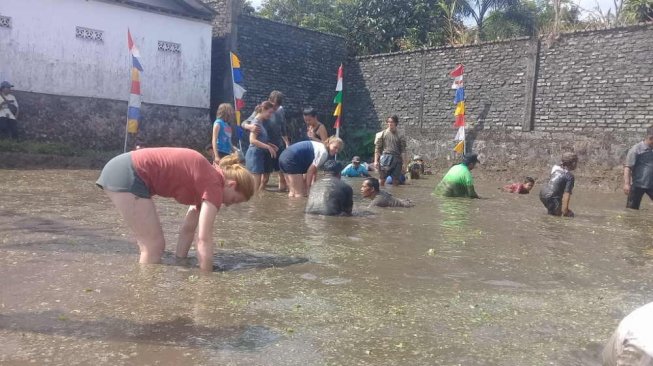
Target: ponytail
x,y
233,170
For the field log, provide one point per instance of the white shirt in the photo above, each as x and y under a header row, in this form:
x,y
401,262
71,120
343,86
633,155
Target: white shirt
x,y
320,152
4,110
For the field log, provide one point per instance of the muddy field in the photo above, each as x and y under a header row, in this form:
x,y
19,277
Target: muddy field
x,y
449,282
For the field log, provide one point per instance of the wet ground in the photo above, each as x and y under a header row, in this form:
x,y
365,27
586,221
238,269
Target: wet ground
x,y
449,282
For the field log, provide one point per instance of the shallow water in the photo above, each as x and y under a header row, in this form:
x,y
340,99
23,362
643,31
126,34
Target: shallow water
x,y
449,282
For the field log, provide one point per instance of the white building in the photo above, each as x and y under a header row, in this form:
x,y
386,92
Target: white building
x,y
78,48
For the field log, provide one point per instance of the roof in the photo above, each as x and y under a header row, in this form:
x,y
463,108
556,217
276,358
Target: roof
x,y
185,8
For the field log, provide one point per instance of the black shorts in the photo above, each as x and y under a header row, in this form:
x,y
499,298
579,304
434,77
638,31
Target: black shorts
x,y
553,205
272,164
118,175
394,170
635,196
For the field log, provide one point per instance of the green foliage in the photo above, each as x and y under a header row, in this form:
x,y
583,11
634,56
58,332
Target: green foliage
x,y
517,20
358,142
639,10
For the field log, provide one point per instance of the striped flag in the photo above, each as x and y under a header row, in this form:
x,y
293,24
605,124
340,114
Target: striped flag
x,y
135,97
237,79
459,102
338,101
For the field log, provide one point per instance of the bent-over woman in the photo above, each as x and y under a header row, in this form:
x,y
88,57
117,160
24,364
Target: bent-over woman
x,y
303,158
131,179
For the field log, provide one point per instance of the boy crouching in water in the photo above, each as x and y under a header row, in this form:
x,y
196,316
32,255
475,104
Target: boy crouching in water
x,y
556,194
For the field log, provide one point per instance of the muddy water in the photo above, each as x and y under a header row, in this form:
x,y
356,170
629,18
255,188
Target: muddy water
x,y
449,282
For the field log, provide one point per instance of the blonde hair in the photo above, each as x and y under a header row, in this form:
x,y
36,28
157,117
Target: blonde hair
x,y
233,170
334,139
226,112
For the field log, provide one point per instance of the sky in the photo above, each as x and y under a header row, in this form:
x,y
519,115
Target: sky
x,y
587,5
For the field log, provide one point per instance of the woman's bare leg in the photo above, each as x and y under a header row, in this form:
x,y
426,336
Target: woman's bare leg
x,y
257,181
141,217
187,232
296,185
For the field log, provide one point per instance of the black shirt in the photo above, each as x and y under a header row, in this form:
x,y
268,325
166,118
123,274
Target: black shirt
x,y
330,196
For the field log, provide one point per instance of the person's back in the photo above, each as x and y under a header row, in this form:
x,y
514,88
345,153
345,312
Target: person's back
x,y
330,196
556,193
632,343
458,182
385,199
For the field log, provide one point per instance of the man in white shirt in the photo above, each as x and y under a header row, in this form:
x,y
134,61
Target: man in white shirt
x,y
8,110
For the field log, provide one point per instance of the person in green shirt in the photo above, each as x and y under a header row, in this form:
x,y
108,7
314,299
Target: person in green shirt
x,y
458,182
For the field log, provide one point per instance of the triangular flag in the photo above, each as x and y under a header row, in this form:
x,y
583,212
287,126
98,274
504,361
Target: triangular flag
x,y
235,61
460,135
460,121
460,109
460,96
458,71
240,104
338,98
460,147
340,72
337,124
239,91
339,85
338,110
457,82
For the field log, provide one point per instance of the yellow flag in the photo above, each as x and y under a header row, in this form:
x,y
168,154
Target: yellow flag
x,y
238,118
132,126
136,76
460,147
460,109
338,110
235,62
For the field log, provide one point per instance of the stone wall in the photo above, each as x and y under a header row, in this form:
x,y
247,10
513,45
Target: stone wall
x,y
93,123
591,92
300,63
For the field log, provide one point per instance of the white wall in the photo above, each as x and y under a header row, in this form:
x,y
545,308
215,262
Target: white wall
x,y
40,53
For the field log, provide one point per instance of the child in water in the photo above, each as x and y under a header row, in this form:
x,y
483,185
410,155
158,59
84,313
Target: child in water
x,y
556,194
521,188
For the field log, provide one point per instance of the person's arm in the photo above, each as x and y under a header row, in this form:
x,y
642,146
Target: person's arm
x,y
378,149
628,179
471,192
207,215
247,125
187,232
253,140
310,175
284,127
214,142
345,172
17,107
363,171
566,197
322,132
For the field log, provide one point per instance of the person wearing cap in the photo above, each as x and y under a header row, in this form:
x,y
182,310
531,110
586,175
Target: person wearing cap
x,y
458,182
8,110
330,196
416,167
315,130
371,190
355,169
556,194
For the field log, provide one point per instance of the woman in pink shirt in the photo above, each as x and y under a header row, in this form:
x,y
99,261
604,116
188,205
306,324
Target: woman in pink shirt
x,y
131,179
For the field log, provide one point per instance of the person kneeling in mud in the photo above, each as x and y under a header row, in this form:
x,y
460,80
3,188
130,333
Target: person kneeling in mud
x,y
631,343
370,189
458,182
330,196
556,194
131,179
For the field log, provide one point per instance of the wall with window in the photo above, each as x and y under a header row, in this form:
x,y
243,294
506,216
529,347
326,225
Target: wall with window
x,y
79,48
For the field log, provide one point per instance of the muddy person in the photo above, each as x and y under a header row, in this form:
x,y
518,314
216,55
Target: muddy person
x,y
278,132
261,150
458,182
390,152
131,179
315,130
371,190
416,168
556,194
632,343
222,132
8,111
524,187
330,196
638,171
300,161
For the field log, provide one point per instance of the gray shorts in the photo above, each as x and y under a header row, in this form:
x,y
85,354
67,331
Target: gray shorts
x,y
119,176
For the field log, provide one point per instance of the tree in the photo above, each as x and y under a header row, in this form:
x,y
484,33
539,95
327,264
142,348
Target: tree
x,y
517,20
639,10
479,9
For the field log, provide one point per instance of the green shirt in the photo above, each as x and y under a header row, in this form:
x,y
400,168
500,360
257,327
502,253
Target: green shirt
x,y
458,182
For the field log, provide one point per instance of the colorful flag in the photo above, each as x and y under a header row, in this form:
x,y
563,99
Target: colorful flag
x,y
459,113
237,81
338,101
135,98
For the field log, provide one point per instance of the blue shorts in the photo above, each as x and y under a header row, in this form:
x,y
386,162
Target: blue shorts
x,y
297,158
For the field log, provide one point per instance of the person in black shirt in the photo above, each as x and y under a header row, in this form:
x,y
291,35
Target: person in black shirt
x,y
638,171
556,194
331,196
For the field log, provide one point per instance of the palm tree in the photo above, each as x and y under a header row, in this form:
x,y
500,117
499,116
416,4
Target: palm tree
x,y
640,10
478,10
